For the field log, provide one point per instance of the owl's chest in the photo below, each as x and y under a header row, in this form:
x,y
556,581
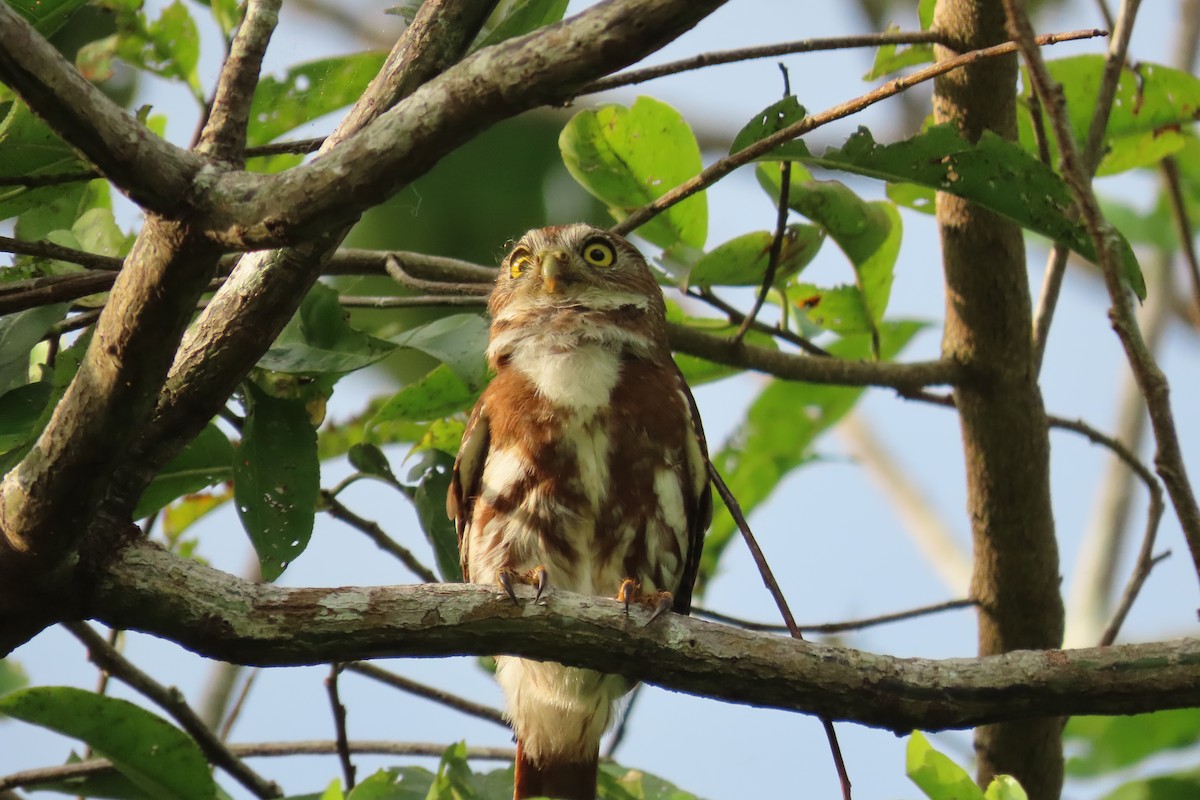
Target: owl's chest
x,y
575,381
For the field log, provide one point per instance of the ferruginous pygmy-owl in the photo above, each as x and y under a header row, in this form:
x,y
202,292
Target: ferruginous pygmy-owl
x,y
583,467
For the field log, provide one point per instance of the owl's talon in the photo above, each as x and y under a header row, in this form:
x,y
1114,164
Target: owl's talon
x,y
505,579
629,592
662,604
542,578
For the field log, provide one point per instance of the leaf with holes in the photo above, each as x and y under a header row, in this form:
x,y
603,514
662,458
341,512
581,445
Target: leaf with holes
x,y
1152,106
994,173
276,479
158,757
439,394
628,157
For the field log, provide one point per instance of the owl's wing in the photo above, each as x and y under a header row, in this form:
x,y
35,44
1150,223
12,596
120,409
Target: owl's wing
x,y
468,472
699,509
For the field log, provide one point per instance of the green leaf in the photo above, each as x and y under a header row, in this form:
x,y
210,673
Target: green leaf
x,y
12,676
368,458
995,173
276,479
628,157
519,18
1151,103
168,47
111,784
1005,787
46,15
869,233
925,9
910,195
935,774
1107,744
892,58
397,783
1181,786
158,757
438,394
20,410
206,461
459,341
778,432
96,231
743,261
771,119
318,340
308,91
426,486
840,309
19,333
616,782
28,147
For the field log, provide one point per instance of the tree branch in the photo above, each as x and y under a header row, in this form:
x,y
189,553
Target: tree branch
x,y
146,588
156,175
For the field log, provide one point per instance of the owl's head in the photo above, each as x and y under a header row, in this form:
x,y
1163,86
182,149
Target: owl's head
x,y
576,267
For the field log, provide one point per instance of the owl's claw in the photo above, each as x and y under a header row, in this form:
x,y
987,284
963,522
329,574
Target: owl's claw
x,y
536,577
631,592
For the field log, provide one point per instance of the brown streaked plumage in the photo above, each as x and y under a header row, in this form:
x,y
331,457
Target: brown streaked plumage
x,y
584,456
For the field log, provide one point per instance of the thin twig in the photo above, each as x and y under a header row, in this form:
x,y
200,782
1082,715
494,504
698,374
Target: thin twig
x,y
55,179
397,273
1145,565
768,577
1153,383
633,76
724,166
171,701
354,301
837,627
44,249
97,766
298,147
781,217
336,509
428,692
339,724
52,289
238,705
1183,223
736,317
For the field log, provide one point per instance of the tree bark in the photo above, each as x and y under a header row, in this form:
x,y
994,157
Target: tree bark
x,y
1005,439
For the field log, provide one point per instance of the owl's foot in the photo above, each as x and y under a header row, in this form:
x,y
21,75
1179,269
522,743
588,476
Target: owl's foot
x,y
537,577
631,592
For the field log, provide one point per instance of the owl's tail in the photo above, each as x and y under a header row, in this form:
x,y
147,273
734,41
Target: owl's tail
x,y
558,779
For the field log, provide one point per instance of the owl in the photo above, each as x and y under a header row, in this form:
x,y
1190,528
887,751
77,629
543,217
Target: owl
x,y
583,467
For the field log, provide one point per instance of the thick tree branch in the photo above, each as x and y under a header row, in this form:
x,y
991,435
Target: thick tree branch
x,y
546,67
156,175
148,589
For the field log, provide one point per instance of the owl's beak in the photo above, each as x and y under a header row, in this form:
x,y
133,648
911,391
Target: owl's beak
x,y
553,263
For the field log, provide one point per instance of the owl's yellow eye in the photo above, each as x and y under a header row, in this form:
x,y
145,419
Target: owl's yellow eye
x,y
598,253
519,261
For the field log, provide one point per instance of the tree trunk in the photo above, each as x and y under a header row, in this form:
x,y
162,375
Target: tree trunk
x,y
1005,437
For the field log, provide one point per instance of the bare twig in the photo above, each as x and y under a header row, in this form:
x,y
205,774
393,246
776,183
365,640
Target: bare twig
x,y
298,147
736,317
171,701
1183,223
338,510
56,179
339,724
53,289
428,692
59,253
837,627
724,166
238,705
1153,383
396,271
419,301
96,766
633,76
781,217
768,577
